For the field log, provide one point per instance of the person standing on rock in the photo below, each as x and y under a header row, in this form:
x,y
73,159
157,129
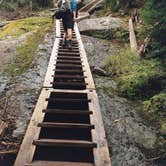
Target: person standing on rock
x,y
68,19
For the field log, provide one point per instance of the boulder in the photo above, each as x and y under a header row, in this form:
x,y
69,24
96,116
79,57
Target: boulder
x,y
102,23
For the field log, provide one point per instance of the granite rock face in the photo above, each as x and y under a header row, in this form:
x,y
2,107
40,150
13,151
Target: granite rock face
x,y
103,23
125,130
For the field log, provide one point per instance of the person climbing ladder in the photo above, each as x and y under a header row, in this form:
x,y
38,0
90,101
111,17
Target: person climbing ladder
x,y
68,19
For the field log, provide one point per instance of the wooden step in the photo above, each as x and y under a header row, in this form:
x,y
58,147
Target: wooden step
x,y
69,83
62,32
66,125
73,48
73,40
69,57
58,163
68,100
68,65
64,143
75,61
64,50
68,53
69,71
69,76
69,112
64,62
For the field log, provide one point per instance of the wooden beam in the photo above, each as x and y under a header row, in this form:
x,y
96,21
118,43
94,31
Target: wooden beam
x,y
58,163
66,125
71,100
60,111
101,153
64,143
3,127
133,42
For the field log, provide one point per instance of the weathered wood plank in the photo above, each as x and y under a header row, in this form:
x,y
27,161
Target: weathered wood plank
x,y
133,42
58,163
60,111
3,127
101,153
65,125
51,66
64,143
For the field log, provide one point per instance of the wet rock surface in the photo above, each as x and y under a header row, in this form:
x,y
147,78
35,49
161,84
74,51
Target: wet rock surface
x,y
97,51
9,46
3,82
126,133
21,93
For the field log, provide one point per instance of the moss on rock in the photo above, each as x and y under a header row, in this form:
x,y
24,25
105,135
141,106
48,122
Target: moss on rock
x,y
17,28
163,129
137,78
26,52
118,34
156,104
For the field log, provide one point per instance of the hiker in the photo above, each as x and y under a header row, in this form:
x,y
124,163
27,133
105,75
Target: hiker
x,y
68,19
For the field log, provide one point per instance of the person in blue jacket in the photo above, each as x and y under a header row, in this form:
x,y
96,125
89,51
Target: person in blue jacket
x,y
68,20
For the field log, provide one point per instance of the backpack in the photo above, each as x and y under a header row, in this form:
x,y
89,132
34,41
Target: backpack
x,y
63,8
66,5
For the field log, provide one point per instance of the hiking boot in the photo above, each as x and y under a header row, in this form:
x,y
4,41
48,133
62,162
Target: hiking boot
x,y
64,43
69,43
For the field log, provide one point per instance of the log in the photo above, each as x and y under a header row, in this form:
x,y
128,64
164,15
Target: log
x,y
2,153
133,42
95,6
91,6
3,127
135,16
144,46
87,6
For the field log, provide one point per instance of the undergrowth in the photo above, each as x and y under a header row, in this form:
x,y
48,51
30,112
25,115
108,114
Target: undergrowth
x,y
137,78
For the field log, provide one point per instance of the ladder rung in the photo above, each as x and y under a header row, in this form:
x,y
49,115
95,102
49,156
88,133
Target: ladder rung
x,y
69,83
66,125
58,163
69,61
68,65
68,53
73,50
61,111
73,40
68,57
69,71
69,76
67,100
64,143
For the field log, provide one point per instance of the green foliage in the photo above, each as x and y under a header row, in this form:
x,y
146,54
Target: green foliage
x,y
118,33
154,112
26,52
137,78
121,4
9,6
156,104
154,17
13,5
